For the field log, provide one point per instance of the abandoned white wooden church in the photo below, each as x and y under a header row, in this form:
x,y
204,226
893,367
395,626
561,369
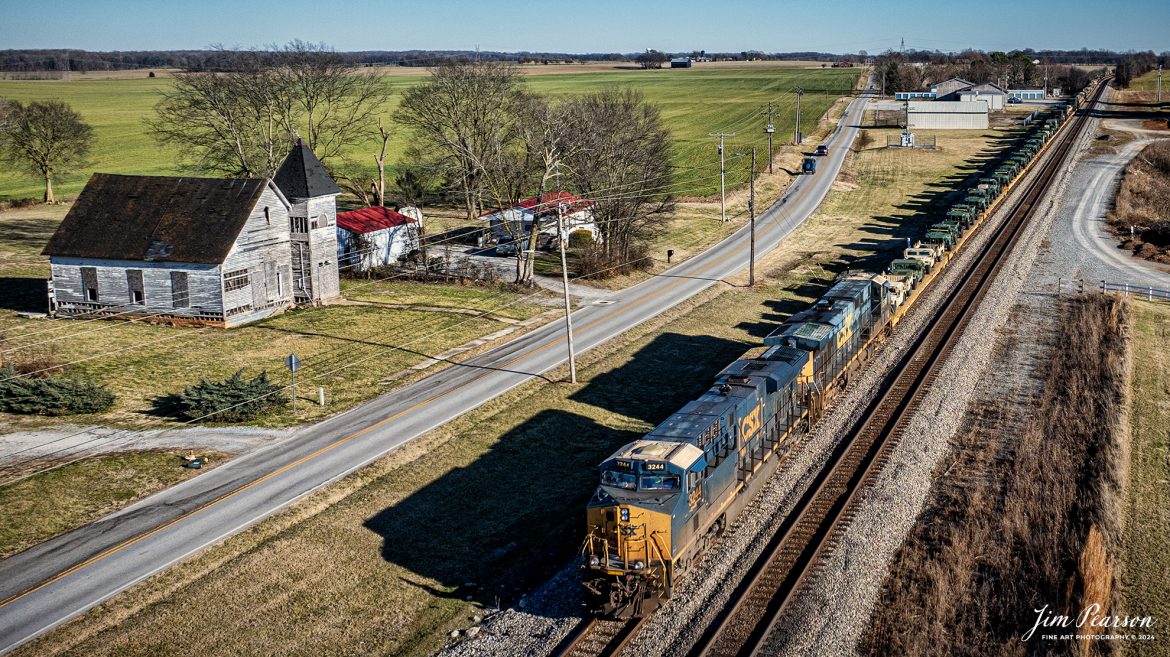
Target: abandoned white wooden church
x,y
198,250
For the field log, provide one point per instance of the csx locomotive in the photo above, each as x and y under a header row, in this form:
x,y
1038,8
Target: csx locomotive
x,y
665,498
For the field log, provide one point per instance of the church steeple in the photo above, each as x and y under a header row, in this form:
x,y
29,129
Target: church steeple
x,y
302,175
312,225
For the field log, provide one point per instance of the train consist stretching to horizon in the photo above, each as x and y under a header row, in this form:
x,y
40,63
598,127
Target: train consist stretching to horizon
x,y
664,499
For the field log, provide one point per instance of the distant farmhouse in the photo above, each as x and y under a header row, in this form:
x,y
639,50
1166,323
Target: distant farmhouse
x,y
509,226
222,252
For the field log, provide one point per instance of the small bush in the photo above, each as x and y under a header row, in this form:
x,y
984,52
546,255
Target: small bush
x,y
235,399
51,396
580,239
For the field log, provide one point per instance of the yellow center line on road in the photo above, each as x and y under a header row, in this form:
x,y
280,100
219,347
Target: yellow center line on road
x,y
353,436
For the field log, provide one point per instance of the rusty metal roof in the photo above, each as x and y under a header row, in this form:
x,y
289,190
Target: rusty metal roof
x,y
151,218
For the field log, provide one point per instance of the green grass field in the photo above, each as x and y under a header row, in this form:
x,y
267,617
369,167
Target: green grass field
x,y
1145,553
694,102
1149,82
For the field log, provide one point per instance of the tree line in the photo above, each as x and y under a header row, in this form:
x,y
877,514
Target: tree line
x,y
1133,65
897,72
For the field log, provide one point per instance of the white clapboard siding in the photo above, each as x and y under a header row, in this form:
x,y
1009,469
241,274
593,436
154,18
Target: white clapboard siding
x,y
204,297
263,250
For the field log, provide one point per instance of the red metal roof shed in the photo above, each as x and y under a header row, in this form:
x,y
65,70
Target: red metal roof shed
x,y
371,220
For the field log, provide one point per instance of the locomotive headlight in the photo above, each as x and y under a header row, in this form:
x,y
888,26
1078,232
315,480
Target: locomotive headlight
x,y
594,561
638,565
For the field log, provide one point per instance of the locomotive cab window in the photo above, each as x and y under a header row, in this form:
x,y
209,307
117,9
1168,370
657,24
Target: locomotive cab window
x,y
626,480
659,482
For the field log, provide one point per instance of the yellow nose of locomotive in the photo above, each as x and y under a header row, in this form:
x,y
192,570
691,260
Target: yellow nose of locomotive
x,y
627,559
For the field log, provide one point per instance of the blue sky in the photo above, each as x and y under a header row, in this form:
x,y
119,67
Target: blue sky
x,y
587,26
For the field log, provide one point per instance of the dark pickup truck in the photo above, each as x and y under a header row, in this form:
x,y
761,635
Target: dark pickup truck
x,y
821,150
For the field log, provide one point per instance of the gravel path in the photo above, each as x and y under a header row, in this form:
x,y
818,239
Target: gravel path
x,y
28,446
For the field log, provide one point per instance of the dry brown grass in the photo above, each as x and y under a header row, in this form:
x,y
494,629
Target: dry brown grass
x,y
1026,514
1145,553
1144,202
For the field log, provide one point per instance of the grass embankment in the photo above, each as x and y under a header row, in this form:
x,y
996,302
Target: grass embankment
x,y
380,562
1143,202
46,504
1145,553
694,102
1026,515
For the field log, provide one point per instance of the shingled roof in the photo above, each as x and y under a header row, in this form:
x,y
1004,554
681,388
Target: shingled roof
x,y
149,218
302,175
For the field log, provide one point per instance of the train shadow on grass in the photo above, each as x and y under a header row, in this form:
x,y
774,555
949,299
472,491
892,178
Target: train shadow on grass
x,y
514,515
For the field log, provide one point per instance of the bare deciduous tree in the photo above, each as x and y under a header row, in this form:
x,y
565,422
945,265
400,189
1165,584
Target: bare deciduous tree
x,y
620,162
46,138
334,101
462,114
241,121
230,122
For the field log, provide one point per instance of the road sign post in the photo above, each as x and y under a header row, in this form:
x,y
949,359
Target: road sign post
x,y
293,364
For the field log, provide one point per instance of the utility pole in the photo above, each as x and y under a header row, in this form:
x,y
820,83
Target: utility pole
x,y
769,128
1159,83
722,180
568,307
797,136
752,217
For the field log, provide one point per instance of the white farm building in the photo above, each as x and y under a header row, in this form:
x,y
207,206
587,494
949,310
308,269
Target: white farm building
x,y
373,237
510,226
946,115
212,251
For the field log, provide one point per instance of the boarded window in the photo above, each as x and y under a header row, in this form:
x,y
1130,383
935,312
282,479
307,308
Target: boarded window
x,y
314,223
89,282
134,284
235,280
180,297
271,283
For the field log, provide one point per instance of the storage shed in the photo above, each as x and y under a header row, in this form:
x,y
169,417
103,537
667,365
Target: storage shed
x,y
947,115
373,237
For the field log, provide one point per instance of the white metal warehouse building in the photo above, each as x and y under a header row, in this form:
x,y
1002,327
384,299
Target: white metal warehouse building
x,y
947,115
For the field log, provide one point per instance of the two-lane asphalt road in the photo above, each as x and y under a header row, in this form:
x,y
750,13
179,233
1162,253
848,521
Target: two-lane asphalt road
x,y
47,584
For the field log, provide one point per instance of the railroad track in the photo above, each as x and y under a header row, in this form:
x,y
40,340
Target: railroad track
x,y
791,558
598,637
